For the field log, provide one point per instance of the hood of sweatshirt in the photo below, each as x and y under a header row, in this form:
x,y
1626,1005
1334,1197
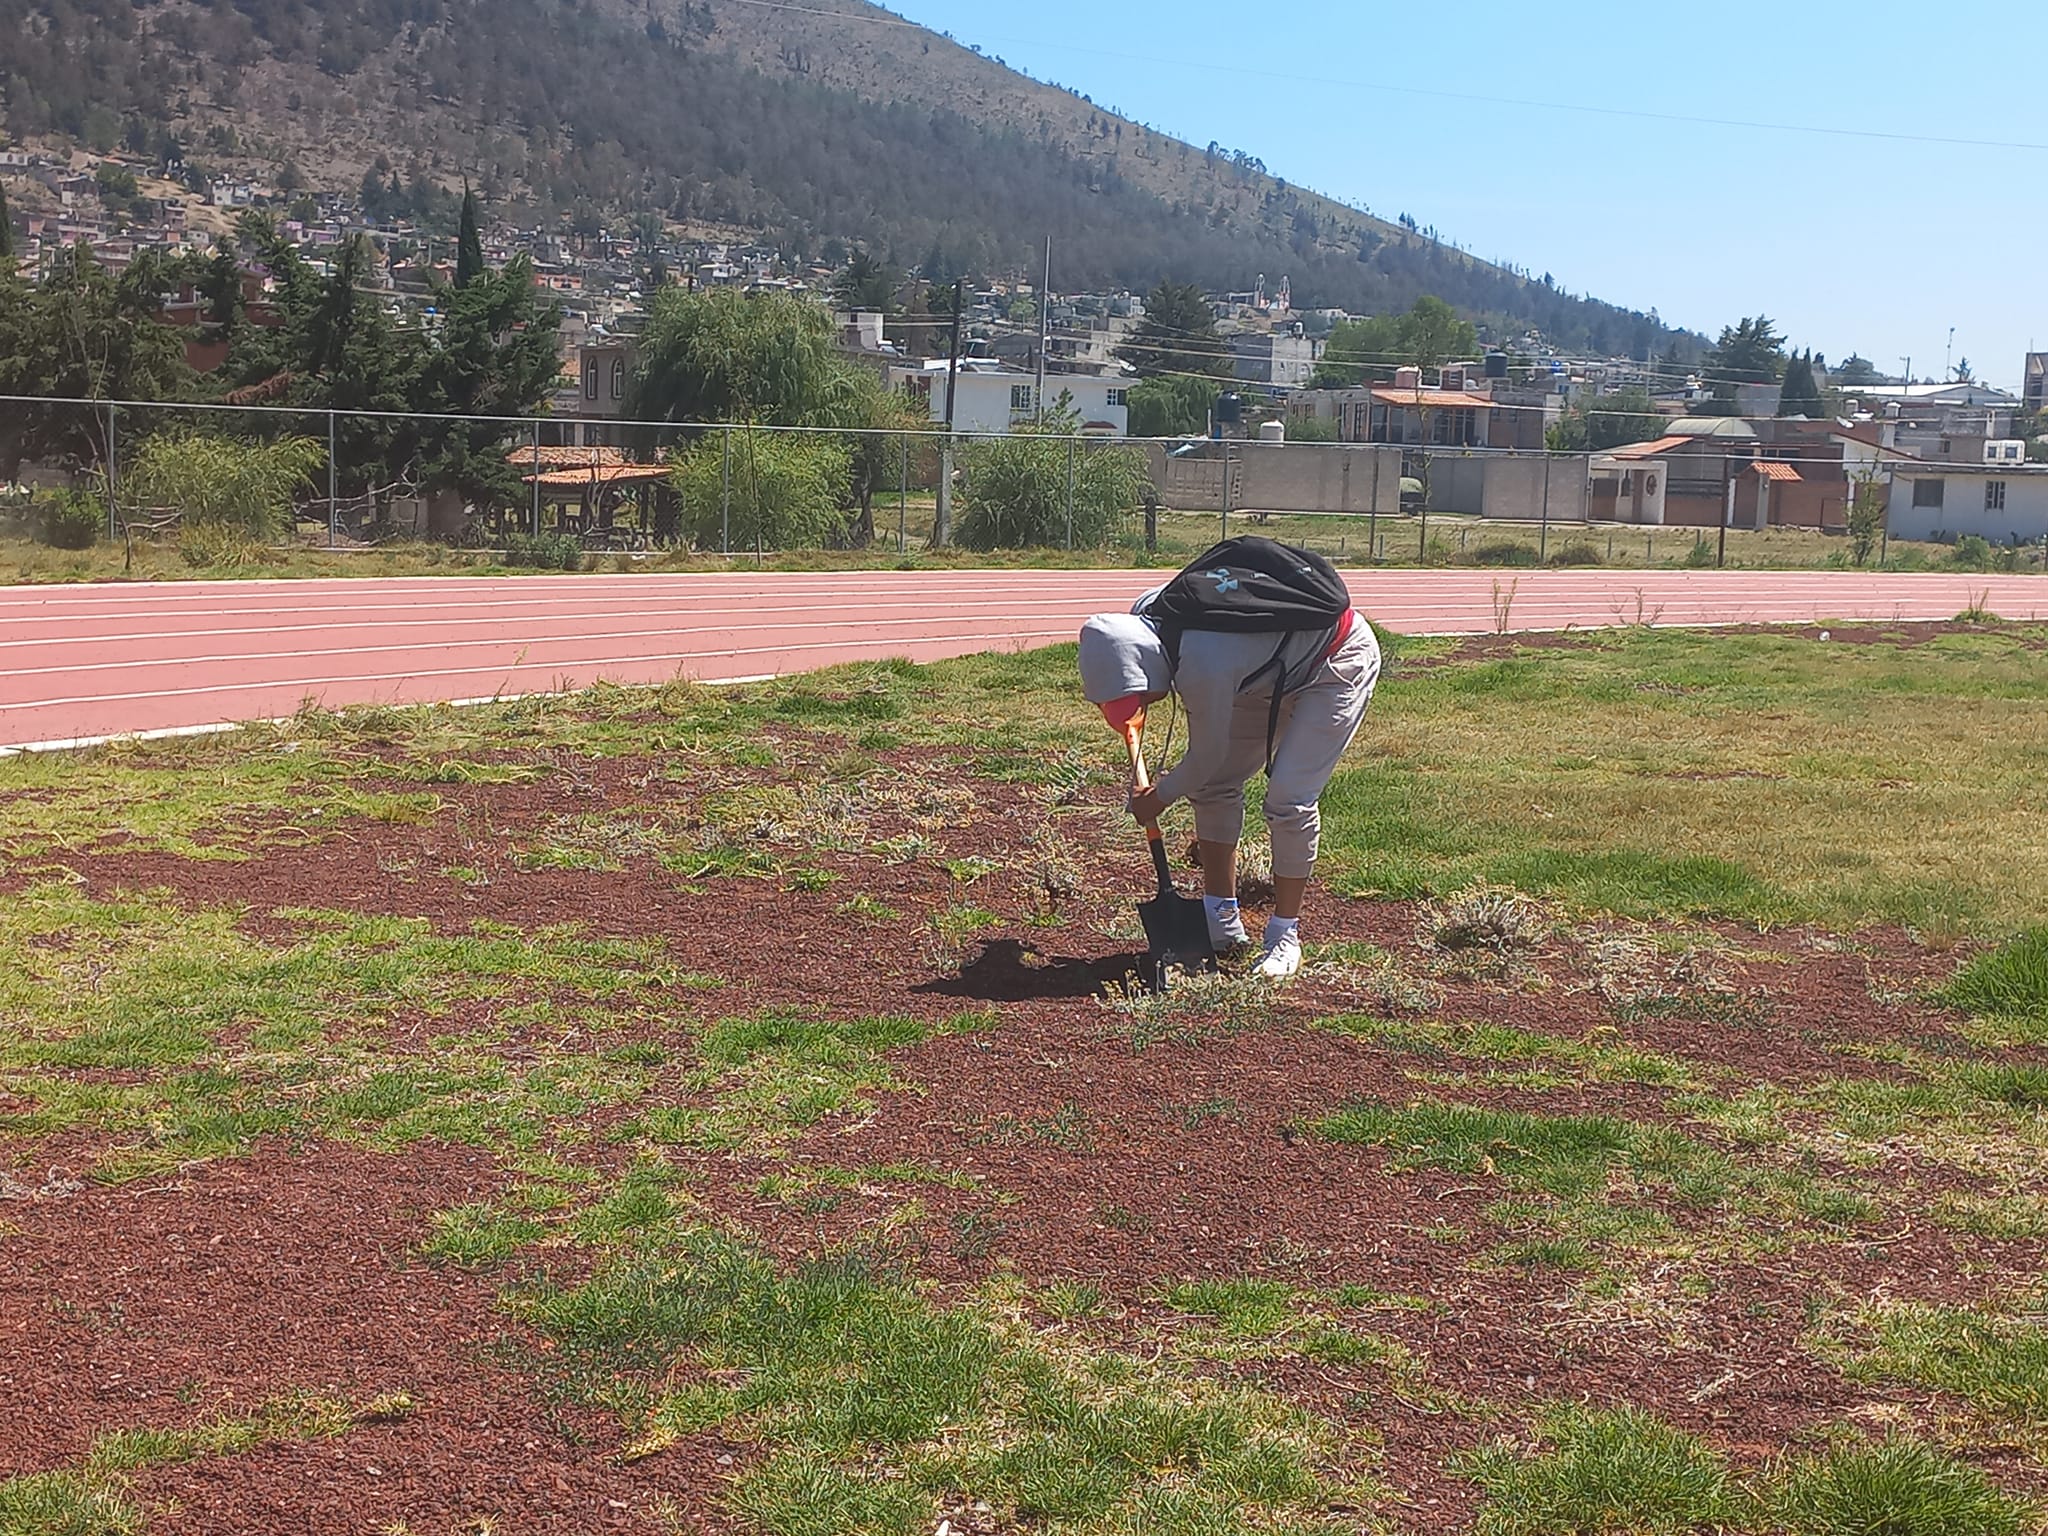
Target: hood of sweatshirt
x,y
1122,654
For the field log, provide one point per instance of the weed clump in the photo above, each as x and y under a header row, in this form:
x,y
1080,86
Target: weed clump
x,y
1487,918
1203,1005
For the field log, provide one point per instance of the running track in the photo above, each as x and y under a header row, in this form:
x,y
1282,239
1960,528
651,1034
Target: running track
x,y
80,663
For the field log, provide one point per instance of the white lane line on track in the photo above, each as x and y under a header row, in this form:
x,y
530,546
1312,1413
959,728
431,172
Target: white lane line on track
x,y
472,592
69,600
1383,612
177,732
885,648
1009,609
526,643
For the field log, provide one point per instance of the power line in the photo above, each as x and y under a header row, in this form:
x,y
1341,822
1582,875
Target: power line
x,y
1467,98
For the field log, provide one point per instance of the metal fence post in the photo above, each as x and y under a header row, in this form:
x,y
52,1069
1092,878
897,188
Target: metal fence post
x,y
113,518
1372,527
333,488
1543,533
1070,493
725,501
903,499
1226,489
536,479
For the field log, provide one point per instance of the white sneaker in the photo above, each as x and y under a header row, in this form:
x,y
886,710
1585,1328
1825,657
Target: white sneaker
x,y
1282,956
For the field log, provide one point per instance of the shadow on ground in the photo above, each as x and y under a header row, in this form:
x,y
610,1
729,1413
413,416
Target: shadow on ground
x,y
1008,971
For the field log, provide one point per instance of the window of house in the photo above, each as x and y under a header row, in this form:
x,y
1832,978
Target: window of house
x,y
1118,397
590,378
1020,397
1927,493
618,378
1994,495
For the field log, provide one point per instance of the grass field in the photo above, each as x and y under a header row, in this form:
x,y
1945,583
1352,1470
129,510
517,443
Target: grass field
x,y
1399,541
697,1110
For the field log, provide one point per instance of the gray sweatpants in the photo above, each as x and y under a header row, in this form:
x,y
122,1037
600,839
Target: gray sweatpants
x,y
1316,726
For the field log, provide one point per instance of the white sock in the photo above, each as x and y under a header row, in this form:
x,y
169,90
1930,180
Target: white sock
x,y
1281,929
1224,919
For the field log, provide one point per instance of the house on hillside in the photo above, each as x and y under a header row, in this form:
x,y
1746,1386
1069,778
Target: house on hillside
x,y
1284,359
991,397
2007,504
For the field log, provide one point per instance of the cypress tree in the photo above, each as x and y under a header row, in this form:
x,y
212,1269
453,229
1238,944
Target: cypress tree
x,y
6,229
469,250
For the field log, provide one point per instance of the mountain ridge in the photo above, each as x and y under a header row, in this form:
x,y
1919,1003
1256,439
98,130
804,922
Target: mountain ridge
x,y
796,123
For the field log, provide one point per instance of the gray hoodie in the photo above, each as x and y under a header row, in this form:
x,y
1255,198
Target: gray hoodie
x,y
1123,654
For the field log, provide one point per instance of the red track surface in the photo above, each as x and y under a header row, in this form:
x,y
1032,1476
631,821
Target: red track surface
x,y
85,662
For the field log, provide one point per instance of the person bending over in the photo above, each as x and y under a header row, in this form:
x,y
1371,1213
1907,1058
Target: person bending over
x,y
1226,683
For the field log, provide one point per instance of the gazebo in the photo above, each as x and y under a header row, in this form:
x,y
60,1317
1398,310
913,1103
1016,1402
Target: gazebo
x,y
589,487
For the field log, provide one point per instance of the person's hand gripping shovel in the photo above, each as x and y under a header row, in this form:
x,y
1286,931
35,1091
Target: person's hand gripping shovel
x,y
1176,926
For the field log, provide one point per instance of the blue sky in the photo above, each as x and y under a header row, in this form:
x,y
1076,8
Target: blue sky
x,y
1876,245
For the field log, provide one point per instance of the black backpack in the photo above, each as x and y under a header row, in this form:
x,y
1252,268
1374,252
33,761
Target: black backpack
x,y
1253,586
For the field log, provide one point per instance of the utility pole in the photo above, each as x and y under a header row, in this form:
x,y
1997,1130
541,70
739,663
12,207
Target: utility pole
x,y
1045,327
1948,360
942,517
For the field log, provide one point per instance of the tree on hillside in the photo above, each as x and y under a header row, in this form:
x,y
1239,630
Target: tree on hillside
x,y
1364,351
469,243
1801,394
1172,407
6,230
1432,335
867,283
725,356
84,334
1177,335
1856,372
1749,352
1601,422
1360,351
495,356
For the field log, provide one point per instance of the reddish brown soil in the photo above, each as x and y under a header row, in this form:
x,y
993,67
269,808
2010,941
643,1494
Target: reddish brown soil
x,y
169,1304
166,1302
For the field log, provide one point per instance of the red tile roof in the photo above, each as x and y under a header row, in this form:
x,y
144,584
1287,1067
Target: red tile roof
x,y
1770,469
603,474
1453,399
1650,450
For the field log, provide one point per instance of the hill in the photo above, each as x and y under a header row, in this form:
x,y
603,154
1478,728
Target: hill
x,y
800,123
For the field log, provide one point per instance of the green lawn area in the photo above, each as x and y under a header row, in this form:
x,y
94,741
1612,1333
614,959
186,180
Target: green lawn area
x,y
1566,1192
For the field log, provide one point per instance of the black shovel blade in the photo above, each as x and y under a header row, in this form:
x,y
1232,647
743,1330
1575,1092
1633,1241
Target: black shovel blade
x,y
1176,936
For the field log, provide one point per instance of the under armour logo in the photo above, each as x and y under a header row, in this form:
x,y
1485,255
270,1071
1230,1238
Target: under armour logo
x,y
1225,582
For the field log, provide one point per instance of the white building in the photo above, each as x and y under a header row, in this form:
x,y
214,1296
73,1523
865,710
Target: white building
x,y
992,397
2003,503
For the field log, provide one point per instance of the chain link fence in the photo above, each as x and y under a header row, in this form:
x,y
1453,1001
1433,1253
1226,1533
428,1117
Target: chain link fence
x,y
557,489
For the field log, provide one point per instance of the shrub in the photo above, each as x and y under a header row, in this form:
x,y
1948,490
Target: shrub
x,y
1972,553
218,547
788,490
1502,552
1578,552
1701,555
69,520
548,552
1015,495
207,479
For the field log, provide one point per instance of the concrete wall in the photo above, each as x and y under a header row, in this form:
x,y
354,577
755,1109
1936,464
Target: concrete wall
x,y
2024,516
1273,477
1344,477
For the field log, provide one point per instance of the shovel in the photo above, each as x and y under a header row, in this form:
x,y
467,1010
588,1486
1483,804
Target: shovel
x,y
1176,926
